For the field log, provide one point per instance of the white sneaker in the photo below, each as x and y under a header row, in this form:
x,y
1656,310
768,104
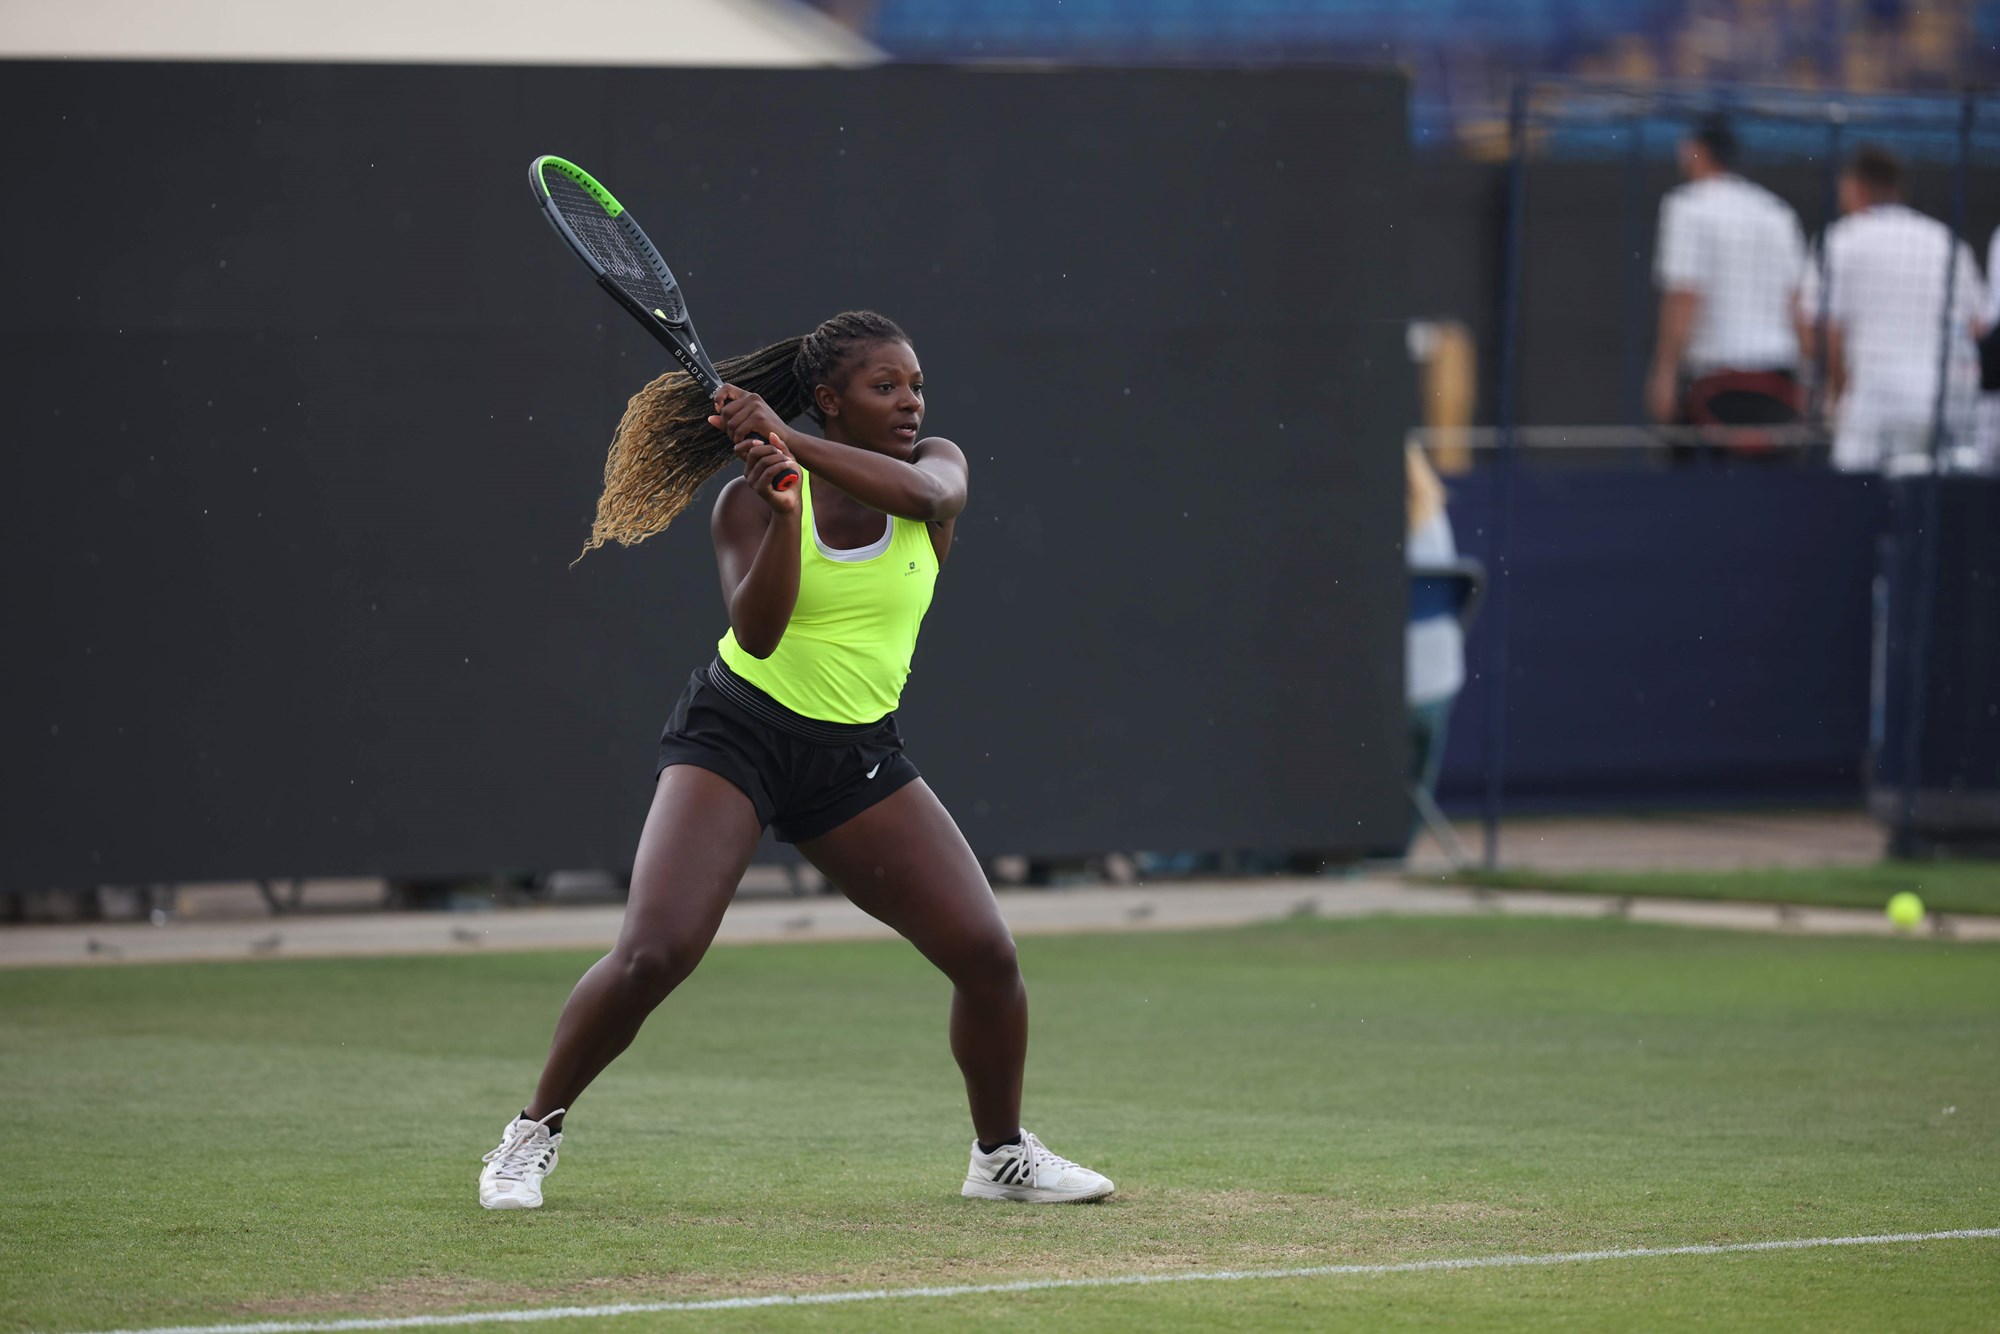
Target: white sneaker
x,y
514,1171
1029,1172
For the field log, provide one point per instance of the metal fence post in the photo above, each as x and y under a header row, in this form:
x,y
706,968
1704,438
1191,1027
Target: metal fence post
x,y
1501,593
1836,118
1931,506
1633,224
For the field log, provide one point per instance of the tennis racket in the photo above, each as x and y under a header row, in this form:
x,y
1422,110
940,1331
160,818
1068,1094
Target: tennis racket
x,y
628,266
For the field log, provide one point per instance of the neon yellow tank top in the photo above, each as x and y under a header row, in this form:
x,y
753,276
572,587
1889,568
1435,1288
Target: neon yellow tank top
x,y
847,649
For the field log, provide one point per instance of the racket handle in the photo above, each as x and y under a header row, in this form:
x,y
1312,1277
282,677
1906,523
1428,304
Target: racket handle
x,y
787,479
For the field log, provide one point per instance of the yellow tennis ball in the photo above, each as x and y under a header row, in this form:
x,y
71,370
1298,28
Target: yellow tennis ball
x,y
1906,910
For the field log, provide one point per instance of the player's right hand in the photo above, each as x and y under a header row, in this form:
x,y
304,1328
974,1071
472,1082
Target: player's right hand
x,y
739,412
764,463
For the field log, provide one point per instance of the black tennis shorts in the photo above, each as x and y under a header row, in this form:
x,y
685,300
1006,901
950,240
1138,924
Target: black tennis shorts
x,y
804,776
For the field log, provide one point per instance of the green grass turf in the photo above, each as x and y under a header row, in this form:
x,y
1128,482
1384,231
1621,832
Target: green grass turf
x,y
293,1139
1945,887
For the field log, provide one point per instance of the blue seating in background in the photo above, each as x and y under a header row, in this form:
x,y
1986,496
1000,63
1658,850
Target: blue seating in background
x,y
1221,29
1463,55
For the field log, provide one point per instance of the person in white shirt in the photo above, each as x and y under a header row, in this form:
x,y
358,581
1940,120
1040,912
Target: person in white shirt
x,y
1891,284
1992,315
1987,430
1728,263
1434,656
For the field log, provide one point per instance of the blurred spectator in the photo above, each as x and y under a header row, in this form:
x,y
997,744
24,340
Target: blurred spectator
x,y
1434,655
1987,428
1729,261
1891,283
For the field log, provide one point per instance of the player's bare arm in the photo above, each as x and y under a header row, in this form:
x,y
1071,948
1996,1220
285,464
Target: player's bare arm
x,y
755,528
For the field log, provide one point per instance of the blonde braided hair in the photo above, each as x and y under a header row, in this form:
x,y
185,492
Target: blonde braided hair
x,y
664,448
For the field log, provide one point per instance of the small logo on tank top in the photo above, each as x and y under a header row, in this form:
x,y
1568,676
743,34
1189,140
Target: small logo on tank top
x,y
912,570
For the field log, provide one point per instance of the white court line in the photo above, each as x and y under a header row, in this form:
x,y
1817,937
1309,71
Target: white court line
x,y
539,1313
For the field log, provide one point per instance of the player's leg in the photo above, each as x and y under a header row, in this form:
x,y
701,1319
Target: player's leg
x,y
698,838
904,862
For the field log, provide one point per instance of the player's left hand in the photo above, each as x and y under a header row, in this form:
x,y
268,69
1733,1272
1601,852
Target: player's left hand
x,y
765,462
740,414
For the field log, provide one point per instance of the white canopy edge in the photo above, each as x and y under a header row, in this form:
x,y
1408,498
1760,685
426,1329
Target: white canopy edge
x,y
769,33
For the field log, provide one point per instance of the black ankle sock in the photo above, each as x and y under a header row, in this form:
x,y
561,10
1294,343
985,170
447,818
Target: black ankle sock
x,y
984,1147
554,1122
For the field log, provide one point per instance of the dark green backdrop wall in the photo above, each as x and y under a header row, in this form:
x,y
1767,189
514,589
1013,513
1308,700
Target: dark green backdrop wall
x,y
305,413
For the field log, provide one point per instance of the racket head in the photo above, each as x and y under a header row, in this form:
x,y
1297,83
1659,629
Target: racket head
x,y
609,240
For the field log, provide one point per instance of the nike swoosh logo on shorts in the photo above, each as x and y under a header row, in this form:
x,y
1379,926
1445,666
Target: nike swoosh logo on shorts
x,y
877,769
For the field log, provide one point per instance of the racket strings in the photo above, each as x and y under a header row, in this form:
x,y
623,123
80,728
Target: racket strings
x,y
610,244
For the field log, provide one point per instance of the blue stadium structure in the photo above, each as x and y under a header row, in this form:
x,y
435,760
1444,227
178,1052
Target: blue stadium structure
x,y
1464,56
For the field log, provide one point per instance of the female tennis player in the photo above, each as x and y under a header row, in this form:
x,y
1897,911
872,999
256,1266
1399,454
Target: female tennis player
x,y
793,724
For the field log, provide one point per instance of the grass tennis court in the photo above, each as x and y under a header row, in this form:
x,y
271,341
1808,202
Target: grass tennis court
x,y
238,1142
